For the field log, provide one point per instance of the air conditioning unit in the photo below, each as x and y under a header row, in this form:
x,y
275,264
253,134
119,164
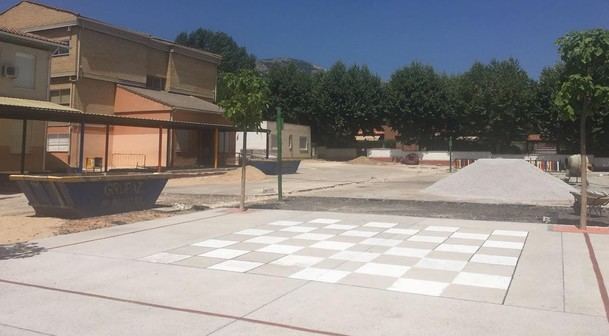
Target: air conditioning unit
x,y
9,71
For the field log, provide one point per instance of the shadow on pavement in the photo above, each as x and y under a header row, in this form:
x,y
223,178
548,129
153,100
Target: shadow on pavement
x,y
20,250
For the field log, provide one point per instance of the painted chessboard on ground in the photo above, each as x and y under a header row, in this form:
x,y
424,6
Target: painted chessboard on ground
x,y
449,261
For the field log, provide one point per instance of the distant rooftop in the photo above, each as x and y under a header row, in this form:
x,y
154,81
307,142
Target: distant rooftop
x,y
179,101
29,38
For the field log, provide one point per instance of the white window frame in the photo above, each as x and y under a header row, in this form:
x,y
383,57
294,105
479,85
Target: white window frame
x,y
306,147
58,142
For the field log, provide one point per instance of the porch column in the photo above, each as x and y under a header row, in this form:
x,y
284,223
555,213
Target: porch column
x,y
81,150
23,145
160,148
106,148
216,147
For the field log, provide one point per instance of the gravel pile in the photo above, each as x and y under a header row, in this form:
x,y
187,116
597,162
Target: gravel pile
x,y
506,181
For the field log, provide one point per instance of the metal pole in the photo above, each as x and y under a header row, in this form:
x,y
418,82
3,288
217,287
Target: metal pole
x,y
107,148
216,147
160,149
81,150
23,145
268,139
450,153
279,156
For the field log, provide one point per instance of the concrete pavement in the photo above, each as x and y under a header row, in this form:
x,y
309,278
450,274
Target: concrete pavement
x,y
104,282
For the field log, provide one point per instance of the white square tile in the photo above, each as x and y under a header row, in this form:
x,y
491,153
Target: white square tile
x,y
383,269
253,232
482,280
281,249
215,243
332,245
224,253
319,274
510,233
165,258
236,266
494,259
324,221
407,232
407,252
298,228
313,236
355,256
438,228
382,225
266,240
284,223
457,248
427,239
503,244
359,233
474,236
296,260
424,287
340,227
441,264
381,242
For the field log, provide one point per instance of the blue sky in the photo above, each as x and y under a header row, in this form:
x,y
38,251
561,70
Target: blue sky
x,y
385,35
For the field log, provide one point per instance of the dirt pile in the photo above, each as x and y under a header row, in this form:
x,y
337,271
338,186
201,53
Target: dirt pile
x,y
364,160
232,176
506,181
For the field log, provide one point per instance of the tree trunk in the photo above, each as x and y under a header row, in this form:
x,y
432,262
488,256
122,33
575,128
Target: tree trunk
x,y
243,164
583,213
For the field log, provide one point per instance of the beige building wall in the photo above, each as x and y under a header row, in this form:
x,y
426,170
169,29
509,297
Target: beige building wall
x,y
26,15
94,96
10,130
192,76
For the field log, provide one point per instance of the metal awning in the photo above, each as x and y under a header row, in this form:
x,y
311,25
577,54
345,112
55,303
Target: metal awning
x,y
28,109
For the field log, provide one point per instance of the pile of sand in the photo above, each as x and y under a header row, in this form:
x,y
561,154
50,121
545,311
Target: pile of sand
x,y
364,160
232,176
508,181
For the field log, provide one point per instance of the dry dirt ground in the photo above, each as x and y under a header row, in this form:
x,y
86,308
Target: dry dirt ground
x,y
359,186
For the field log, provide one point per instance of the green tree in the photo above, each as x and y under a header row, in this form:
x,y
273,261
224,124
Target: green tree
x,y
346,101
498,102
585,90
290,89
234,57
418,104
248,98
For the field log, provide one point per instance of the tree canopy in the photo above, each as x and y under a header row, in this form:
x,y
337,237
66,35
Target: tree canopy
x,y
248,98
234,57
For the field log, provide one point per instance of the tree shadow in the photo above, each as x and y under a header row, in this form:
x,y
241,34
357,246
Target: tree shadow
x,y
20,250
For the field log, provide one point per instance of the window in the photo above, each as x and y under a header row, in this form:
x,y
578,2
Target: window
x,y
62,51
61,97
26,67
182,141
155,83
290,145
58,142
303,143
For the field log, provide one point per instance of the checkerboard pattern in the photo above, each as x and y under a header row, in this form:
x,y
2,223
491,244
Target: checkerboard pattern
x,y
449,261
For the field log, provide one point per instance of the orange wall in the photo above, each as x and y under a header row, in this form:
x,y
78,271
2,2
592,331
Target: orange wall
x,y
126,101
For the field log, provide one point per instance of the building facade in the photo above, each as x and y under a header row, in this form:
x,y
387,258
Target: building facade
x,y
295,141
24,74
93,73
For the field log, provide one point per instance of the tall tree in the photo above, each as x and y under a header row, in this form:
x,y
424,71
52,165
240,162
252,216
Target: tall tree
x,y
498,99
290,89
418,103
234,57
585,90
248,94
346,100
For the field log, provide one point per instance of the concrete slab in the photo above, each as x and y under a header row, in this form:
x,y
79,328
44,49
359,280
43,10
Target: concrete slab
x,y
581,288
113,285
359,311
538,279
